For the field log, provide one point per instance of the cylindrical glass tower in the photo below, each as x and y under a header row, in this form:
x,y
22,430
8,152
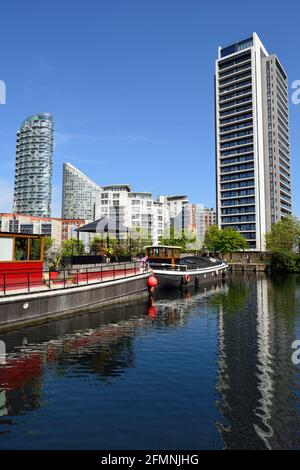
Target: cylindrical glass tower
x,y
33,172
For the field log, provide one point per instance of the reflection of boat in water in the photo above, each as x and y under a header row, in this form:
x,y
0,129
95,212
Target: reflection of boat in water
x,y
105,350
91,343
186,300
21,370
173,270
102,344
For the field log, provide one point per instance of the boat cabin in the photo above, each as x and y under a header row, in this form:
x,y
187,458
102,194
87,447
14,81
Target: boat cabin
x,y
163,254
21,259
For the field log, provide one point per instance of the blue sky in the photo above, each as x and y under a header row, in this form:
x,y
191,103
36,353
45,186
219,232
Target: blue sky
x,y
130,85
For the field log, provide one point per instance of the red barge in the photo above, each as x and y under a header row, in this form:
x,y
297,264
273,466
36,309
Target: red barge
x,y
28,293
21,260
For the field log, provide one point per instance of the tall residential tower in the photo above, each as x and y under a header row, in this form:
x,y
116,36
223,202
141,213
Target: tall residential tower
x,y
33,168
252,140
79,194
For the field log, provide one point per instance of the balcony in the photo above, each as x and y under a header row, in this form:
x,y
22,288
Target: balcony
x,y
235,79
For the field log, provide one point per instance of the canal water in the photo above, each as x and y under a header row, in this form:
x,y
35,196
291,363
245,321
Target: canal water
x,y
207,369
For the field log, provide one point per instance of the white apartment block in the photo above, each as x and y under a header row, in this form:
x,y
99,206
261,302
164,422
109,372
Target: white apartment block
x,y
58,229
145,217
112,203
161,220
136,210
142,213
187,218
252,140
208,218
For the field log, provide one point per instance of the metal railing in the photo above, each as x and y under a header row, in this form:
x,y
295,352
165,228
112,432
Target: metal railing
x,y
22,281
184,267
172,267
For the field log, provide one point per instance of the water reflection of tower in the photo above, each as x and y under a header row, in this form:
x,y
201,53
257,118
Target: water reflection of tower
x,y
256,380
236,381
284,419
265,363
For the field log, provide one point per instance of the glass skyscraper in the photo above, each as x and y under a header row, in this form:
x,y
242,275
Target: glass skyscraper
x,y
33,167
253,172
79,194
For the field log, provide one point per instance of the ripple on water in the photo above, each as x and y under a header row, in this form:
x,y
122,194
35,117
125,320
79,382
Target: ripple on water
x,y
211,369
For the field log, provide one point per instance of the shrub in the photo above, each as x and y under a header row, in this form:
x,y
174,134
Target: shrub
x,y
284,261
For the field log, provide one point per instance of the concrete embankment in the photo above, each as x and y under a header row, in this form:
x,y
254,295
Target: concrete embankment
x,y
254,267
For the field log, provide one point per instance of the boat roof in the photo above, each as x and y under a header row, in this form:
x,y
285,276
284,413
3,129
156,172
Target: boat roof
x,y
21,234
163,246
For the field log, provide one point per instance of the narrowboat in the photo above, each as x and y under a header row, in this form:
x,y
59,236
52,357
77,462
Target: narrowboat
x,y
173,269
29,293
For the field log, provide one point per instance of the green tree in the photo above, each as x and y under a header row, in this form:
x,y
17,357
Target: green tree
x,y
282,242
185,240
283,260
48,243
116,247
212,239
122,248
231,241
97,245
138,239
284,235
224,241
72,247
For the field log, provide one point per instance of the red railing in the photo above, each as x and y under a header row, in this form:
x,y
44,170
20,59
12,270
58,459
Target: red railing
x,y
20,282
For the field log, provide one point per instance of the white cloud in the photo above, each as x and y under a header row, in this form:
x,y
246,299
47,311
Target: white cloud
x,y
150,140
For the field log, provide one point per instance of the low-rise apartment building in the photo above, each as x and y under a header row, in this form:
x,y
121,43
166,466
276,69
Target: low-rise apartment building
x,y
58,229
